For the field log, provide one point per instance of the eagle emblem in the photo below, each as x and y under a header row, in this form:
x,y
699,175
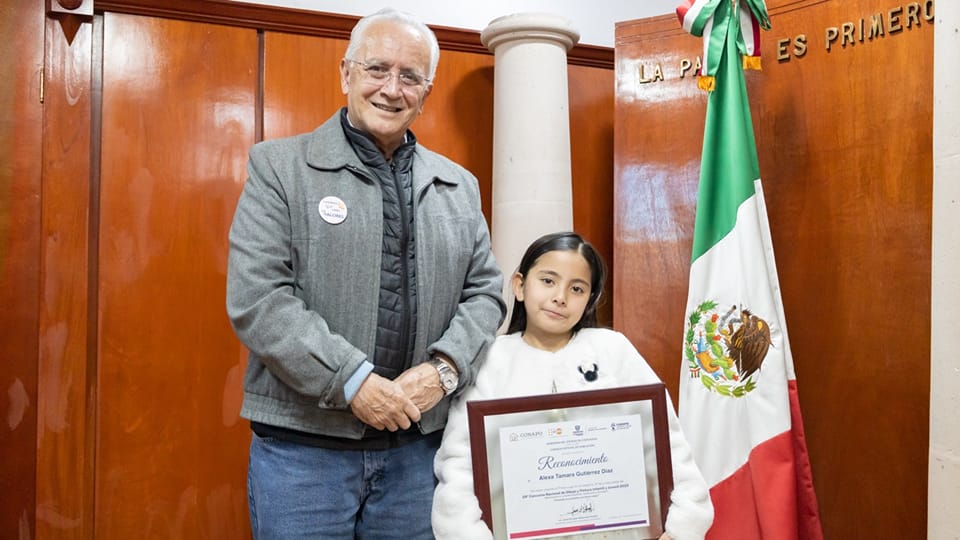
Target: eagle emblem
x,y
725,351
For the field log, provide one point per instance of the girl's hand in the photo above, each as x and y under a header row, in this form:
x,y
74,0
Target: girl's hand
x,y
665,536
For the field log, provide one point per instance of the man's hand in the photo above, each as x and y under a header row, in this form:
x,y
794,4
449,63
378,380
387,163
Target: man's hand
x,y
421,384
383,404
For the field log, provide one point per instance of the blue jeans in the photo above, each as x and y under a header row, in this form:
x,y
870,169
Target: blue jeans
x,y
299,491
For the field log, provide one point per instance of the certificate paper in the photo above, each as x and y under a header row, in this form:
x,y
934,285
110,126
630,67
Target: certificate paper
x,y
572,477
599,414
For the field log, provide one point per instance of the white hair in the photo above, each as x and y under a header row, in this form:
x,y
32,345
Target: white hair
x,y
393,15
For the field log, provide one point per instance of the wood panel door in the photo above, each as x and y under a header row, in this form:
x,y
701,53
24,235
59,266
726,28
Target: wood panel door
x,y
843,120
66,373
591,156
178,115
21,60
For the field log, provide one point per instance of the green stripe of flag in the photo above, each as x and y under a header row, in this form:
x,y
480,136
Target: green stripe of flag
x,y
729,162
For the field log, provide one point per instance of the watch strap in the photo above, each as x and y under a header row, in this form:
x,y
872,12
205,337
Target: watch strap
x,y
449,380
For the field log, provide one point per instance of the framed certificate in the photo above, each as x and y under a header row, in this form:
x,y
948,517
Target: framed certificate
x,y
573,464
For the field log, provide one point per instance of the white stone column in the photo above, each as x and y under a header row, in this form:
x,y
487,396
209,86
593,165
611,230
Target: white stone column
x,y
532,192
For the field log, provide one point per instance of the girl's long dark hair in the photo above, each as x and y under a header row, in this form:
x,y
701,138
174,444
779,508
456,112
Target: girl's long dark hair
x,y
562,241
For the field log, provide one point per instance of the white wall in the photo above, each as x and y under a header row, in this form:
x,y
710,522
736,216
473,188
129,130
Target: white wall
x,y
943,498
594,19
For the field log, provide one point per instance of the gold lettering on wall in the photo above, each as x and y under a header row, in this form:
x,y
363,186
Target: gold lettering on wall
x,y
799,47
881,24
864,30
686,65
657,74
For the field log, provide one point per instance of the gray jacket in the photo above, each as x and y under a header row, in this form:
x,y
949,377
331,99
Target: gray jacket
x,y
302,290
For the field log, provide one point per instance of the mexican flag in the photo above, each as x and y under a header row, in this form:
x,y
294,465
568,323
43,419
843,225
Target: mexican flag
x,y
738,392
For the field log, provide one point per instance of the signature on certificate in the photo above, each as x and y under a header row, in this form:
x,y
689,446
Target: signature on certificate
x,y
585,508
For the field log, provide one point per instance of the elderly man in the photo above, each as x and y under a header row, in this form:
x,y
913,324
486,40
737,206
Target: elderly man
x,y
361,280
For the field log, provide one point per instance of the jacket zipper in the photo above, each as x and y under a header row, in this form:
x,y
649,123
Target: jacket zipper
x,y
404,265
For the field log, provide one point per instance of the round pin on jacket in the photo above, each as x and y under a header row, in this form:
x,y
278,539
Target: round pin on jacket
x,y
333,210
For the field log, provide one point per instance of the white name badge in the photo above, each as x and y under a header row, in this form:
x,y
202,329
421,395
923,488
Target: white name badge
x,y
333,210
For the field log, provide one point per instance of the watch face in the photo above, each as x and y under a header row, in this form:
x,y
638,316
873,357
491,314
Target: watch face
x,y
448,378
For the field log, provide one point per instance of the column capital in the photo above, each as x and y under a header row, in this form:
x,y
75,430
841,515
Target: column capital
x,y
529,26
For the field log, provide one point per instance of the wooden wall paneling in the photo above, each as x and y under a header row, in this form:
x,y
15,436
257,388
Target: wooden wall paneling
x,y
658,130
457,119
301,86
847,166
178,118
591,94
66,366
21,61
314,23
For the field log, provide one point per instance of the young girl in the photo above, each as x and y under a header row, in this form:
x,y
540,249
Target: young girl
x,y
552,345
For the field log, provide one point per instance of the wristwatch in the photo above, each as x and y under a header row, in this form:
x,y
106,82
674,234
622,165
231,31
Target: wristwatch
x,y
448,377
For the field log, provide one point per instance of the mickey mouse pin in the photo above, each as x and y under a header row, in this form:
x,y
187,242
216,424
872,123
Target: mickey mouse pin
x,y
590,374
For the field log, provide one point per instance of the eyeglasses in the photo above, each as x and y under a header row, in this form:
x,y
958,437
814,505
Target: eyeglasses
x,y
382,75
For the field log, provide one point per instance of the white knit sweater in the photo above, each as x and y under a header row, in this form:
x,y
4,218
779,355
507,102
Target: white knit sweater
x,y
512,369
